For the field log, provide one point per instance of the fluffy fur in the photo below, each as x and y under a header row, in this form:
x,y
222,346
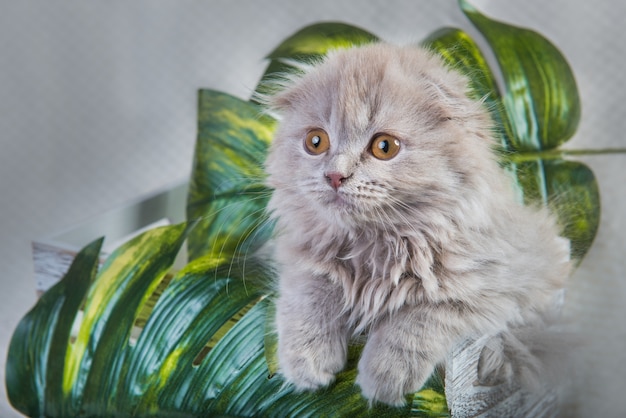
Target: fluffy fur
x,y
417,252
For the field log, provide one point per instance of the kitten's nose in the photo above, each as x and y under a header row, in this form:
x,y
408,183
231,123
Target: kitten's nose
x,y
335,179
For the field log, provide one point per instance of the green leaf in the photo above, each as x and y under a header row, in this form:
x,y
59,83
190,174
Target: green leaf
x,y
541,98
308,45
36,355
271,341
570,189
319,38
235,368
95,361
227,195
200,301
430,401
104,370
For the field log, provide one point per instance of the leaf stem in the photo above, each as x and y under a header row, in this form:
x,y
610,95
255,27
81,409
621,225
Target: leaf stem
x,y
519,157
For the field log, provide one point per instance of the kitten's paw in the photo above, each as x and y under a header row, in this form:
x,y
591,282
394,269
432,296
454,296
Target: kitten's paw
x,y
310,369
303,374
381,390
384,377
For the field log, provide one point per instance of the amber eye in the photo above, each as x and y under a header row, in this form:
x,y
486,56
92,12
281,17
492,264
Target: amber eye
x,y
316,142
385,147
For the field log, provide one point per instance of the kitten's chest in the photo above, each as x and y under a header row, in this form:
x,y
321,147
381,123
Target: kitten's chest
x,y
377,272
375,281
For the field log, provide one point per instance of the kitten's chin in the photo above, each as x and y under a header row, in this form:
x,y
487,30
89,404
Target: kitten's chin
x,y
339,201
341,208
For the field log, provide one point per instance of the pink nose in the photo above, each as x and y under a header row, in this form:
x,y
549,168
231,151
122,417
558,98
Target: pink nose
x,y
335,179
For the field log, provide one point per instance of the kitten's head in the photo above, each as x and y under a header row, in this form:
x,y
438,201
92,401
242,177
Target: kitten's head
x,y
374,134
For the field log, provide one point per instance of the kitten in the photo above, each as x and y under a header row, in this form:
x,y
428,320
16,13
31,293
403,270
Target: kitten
x,y
395,220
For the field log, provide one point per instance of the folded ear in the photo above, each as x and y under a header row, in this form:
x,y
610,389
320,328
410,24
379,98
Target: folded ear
x,y
285,97
279,91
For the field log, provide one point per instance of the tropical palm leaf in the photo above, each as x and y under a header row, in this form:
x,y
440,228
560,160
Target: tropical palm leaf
x,y
227,196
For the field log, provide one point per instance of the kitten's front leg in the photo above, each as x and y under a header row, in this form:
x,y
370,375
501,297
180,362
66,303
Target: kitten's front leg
x,y
400,355
312,334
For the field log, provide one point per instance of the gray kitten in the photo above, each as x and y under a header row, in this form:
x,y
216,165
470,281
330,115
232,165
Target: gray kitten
x,y
394,220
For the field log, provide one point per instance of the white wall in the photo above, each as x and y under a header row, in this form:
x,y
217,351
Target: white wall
x,y
97,107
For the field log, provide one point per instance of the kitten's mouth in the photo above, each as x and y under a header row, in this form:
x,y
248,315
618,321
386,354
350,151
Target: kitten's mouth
x,y
340,201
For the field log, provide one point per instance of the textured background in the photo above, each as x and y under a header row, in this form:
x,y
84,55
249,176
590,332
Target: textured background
x,y
97,108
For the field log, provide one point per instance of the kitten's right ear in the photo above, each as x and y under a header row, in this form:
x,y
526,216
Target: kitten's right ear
x,y
283,100
275,95
280,91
